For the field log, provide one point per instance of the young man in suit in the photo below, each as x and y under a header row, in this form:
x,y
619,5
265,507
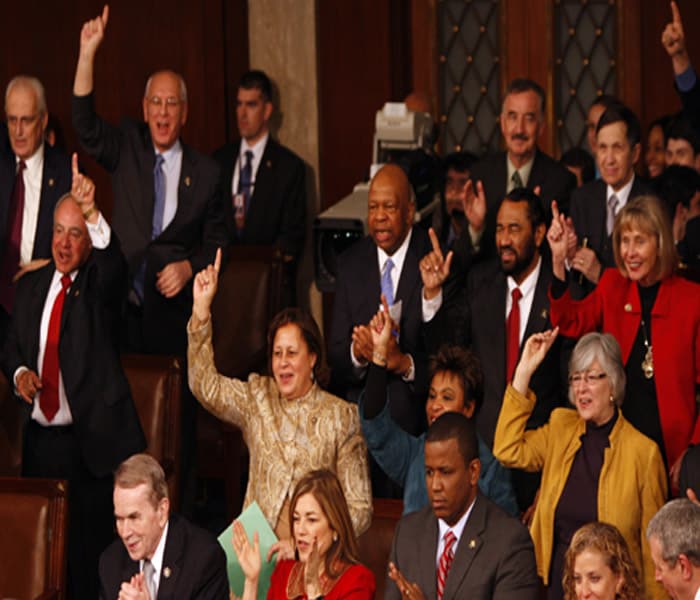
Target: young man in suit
x,y
462,545
158,555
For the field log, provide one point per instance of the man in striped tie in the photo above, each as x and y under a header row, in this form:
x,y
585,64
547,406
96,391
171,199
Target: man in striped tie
x,y
462,545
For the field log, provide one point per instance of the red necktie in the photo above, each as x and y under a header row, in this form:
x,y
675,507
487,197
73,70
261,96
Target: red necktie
x,y
49,372
10,260
445,563
513,334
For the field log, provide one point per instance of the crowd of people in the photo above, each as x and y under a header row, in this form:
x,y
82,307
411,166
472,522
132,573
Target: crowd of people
x,y
523,372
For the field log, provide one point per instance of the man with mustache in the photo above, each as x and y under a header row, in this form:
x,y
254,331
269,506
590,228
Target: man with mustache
x,y
522,164
503,302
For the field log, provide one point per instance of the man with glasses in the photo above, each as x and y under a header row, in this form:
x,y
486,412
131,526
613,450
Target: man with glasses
x,y
167,211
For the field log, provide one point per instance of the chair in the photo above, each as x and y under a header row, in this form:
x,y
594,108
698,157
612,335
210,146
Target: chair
x,y
34,518
10,431
375,543
248,296
156,387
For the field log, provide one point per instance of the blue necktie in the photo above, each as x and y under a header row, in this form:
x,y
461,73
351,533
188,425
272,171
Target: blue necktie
x,y
159,205
245,181
387,286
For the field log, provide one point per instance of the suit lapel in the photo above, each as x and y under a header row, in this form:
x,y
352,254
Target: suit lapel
x,y
7,183
172,566
264,179
37,301
410,274
427,541
538,319
185,191
470,544
495,297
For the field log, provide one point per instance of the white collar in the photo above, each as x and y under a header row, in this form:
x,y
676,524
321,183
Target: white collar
x,y
622,194
529,283
397,257
171,153
458,527
157,560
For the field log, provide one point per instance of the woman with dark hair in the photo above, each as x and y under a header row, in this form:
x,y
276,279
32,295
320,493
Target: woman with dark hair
x,y
598,565
456,385
327,564
595,465
289,423
653,314
655,155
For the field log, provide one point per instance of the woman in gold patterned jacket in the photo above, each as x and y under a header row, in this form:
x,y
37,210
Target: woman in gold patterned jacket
x,y
290,425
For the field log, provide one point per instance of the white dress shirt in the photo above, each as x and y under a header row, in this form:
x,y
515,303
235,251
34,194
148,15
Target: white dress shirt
x,y
257,149
32,195
527,288
157,560
457,530
623,195
172,167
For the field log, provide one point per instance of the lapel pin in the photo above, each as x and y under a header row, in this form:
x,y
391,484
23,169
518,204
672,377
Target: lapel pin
x,y
268,164
166,572
628,307
77,293
187,181
472,543
544,313
51,182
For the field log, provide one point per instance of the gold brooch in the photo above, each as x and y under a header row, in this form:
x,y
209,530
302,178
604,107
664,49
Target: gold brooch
x,y
628,307
166,572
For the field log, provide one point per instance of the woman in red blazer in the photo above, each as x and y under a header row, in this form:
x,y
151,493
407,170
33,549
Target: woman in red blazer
x,y
655,316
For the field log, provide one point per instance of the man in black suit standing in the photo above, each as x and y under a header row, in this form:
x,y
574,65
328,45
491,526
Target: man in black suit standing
x,y
594,205
263,182
62,355
159,555
385,262
503,303
522,164
167,205
462,545
33,176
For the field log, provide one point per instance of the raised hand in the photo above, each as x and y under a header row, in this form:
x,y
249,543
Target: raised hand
x,y
586,262
283,548
434,268
362,346
475,206
534,351
204,289
83,191
380,329
673,40
409,591
93,32
312,573
557,239
248,554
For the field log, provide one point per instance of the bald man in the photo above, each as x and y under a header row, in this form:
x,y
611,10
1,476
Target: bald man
x,y
386,261
167,208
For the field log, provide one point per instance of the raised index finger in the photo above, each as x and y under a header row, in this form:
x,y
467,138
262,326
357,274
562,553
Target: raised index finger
x,y
555,211
217,260
676,14
435,242
105,15
74,165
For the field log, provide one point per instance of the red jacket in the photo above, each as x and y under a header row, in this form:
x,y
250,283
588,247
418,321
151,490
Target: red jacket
x,y
614,307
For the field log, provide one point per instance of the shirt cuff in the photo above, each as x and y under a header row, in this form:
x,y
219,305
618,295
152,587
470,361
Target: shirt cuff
x,y
687,79
361,365
410,375
100,232
430,307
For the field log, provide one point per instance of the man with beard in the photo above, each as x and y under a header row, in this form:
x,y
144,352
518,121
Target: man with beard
x,y
503,303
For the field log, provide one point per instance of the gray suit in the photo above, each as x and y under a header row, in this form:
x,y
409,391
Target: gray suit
x,y
494,560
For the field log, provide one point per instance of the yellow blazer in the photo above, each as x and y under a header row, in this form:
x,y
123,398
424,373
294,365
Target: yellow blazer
x,y
631,488
285,439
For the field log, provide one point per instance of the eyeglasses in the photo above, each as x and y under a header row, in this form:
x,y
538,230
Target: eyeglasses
x,y
587,377
170,102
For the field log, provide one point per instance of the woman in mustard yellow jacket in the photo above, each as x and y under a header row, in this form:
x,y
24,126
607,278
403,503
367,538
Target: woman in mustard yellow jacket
x,y
595,465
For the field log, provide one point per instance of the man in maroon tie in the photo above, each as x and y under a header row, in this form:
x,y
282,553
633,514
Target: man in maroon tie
x,y
62,356
462,545
33,176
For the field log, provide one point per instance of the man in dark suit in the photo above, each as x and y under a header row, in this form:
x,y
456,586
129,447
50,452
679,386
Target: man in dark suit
x,y
480,316
594,206
384,262
61,353
522,164
159,555
265,205
167,206
33,176
481,553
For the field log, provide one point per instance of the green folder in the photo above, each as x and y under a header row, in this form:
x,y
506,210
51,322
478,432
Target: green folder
x,y
252,520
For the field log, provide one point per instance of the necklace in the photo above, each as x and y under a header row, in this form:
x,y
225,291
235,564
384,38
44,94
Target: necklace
x,y
648,362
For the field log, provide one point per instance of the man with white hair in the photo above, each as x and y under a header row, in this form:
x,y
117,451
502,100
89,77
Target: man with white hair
x,y
674,539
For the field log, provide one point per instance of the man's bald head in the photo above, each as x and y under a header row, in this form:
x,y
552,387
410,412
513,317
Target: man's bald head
x,y
391,208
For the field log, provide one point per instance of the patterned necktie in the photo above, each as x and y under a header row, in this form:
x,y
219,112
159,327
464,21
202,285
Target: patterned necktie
x,y
149,572
517,181
10,261
159,204
613,201
245,181
513,334
387,285
445,563
48,400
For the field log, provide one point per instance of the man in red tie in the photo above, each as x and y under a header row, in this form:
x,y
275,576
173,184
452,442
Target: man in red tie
x,y
62,356
462,545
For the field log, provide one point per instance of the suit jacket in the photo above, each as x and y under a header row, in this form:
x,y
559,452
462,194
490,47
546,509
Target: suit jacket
x,y
195,561
494,559
589,212
195,232
55,181
277,212
357,298
104,416
555,181
476,319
